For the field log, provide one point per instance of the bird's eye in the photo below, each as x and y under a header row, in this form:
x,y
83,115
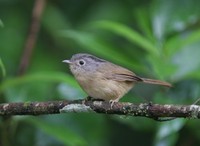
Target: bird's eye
x,y
81,62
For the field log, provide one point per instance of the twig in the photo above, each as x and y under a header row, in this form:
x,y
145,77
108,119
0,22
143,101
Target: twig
x,y
154,111
32,36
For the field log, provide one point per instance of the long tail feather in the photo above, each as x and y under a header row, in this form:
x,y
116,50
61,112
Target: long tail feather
x,y
156,82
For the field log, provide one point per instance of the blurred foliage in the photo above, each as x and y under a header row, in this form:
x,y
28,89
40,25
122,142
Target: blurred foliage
x,y
1,23
156,39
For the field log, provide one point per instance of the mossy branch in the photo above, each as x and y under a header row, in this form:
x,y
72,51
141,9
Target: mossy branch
x,y
149,110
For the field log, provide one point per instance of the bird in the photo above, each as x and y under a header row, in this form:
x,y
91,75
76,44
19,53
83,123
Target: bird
x,y
104,80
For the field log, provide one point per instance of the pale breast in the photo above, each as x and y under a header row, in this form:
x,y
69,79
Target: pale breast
x,y
101,88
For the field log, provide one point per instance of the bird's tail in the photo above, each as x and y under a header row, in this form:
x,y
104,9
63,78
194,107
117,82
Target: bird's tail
x,y
156,82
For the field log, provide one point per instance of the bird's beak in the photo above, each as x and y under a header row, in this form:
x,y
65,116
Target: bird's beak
x,y
67,61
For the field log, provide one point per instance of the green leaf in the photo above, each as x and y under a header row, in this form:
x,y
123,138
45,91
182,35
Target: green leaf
x,y
128,33
38,77
2,68
62,133
143,21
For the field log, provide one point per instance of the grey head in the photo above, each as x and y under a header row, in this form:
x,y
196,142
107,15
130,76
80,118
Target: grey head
x,y
83,63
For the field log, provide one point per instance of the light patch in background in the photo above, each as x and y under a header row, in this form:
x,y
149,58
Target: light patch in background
x,y
167,133
70,93
1,23
187,60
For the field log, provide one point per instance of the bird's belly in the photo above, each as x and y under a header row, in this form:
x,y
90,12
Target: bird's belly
x,y
105,89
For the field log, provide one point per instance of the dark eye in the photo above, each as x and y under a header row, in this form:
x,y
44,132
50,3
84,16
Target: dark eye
x,y
81,62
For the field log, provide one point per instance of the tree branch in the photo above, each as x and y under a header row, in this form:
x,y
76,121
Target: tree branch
x,y
32,36
154,111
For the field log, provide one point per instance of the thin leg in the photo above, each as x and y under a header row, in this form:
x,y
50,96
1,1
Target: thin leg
x,y
89,98
113,101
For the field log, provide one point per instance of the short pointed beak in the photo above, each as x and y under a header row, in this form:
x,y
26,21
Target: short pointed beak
x,y
67,61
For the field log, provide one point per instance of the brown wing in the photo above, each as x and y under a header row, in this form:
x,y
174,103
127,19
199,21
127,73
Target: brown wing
x,y
125,77
118,73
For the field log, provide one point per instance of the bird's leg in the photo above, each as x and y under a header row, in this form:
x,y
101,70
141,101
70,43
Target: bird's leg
x,y
89,98
113,101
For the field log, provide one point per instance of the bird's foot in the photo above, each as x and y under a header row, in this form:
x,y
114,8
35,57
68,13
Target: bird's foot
x,y
112,102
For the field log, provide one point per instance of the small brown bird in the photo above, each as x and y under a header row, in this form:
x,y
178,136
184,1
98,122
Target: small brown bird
x,y
101,79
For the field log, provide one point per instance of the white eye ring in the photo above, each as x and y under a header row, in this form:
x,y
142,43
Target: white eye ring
x,y
81,62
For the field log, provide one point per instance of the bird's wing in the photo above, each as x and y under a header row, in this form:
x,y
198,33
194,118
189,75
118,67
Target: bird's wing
x,y
118,73
126,77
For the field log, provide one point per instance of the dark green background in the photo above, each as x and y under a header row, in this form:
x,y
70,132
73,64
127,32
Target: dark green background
x,y
156,39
